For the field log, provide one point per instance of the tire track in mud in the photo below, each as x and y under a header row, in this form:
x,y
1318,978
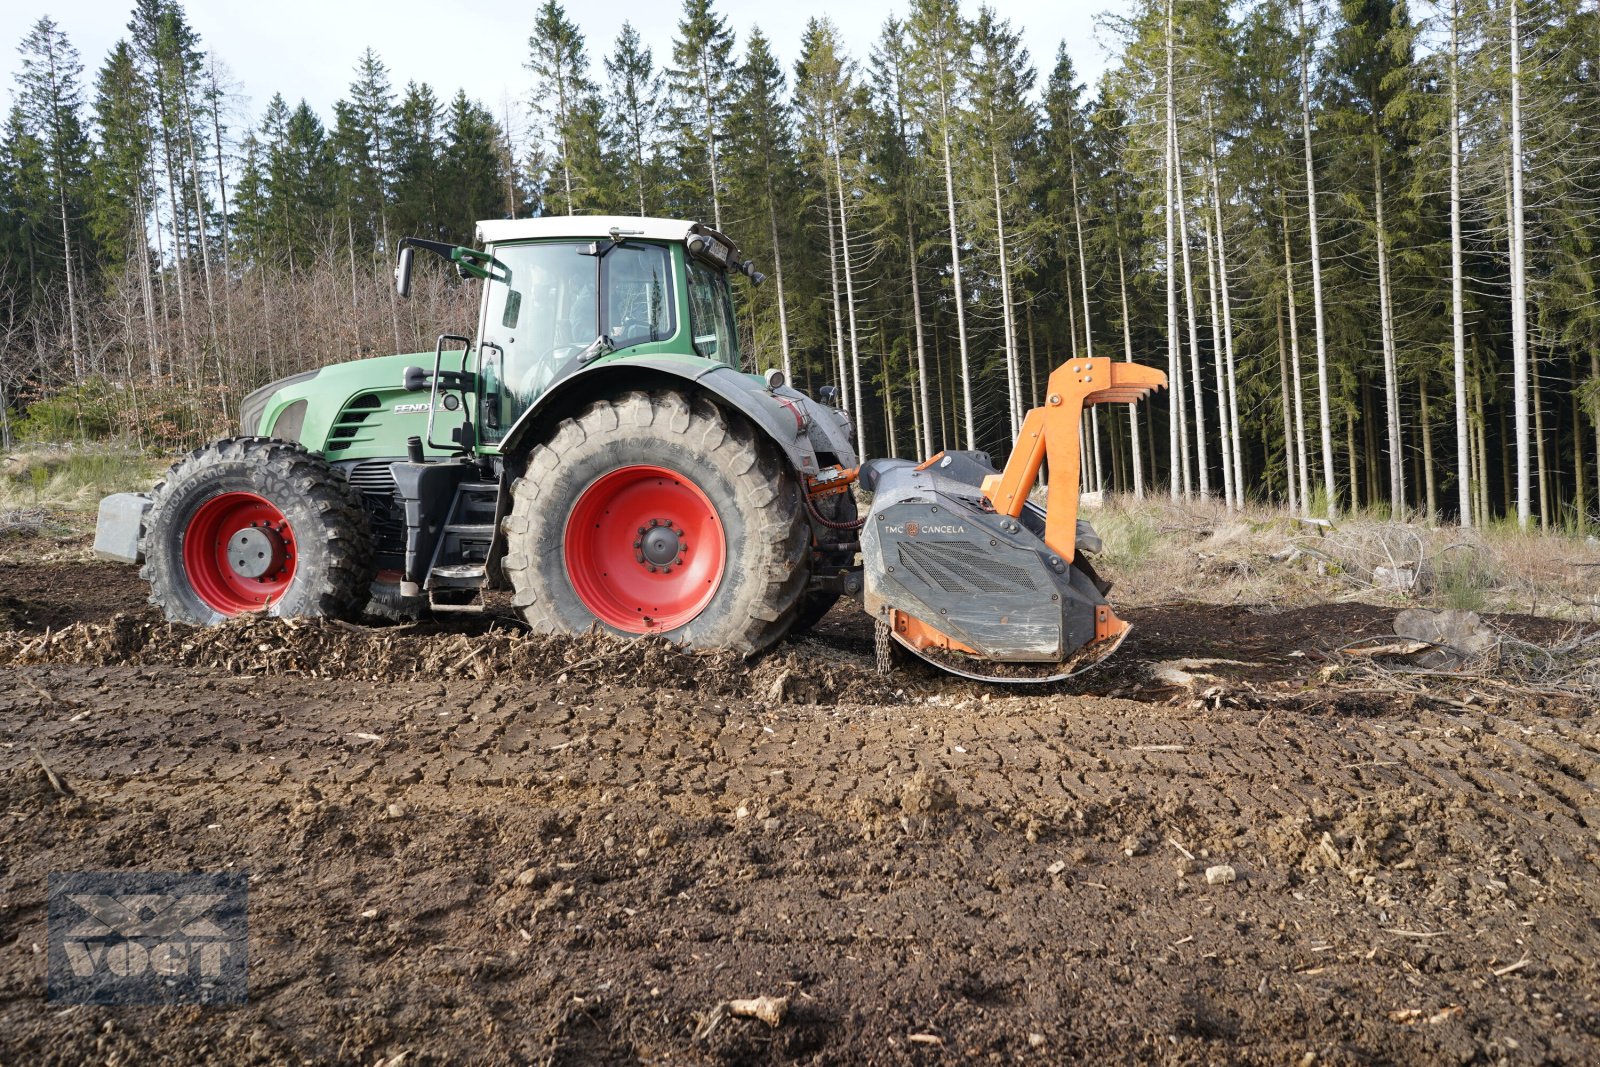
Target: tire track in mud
x,y
1010,754
573,863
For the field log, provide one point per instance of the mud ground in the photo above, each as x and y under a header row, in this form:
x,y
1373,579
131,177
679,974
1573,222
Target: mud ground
x,y
466,845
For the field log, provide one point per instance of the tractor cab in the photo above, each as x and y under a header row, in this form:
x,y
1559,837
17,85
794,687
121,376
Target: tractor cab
x,y
556,300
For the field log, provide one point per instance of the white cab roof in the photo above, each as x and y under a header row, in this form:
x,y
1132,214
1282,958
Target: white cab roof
x,y
497,231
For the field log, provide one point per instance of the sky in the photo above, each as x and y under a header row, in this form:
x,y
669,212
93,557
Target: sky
x,y
308,48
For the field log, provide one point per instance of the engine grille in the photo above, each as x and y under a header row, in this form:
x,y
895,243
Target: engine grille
x,y
357,422
375,481
962,568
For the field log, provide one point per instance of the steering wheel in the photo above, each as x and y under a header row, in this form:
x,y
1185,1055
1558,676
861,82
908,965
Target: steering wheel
x,y
537,378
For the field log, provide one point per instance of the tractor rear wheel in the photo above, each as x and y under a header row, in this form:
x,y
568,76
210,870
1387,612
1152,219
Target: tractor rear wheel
x,y
250,524
655,513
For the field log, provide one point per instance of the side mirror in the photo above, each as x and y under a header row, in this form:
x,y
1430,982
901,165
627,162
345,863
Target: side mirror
x,y
402,273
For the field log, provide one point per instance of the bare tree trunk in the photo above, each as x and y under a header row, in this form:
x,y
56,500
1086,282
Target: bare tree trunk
x,y
1483,441
1077,223
72,293
711,148
888,398
1538,443
850,294
1033,366
916,316
205,243
1594,423
1127,354
1221,370
146,289
1288,436
777,275
1234,435
1519,291
1202,460
1457,300
1391,369
1177,435
1013,368
955,270
1298,375
1316,274
838,316
1430,483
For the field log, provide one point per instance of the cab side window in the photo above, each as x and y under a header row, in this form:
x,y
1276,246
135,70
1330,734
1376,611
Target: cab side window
x,y
637,295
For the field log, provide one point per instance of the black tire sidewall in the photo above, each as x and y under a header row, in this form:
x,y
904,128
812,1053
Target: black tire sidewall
x,y
207,477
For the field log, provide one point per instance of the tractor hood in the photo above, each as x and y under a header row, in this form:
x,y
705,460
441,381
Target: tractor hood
x,y
347,411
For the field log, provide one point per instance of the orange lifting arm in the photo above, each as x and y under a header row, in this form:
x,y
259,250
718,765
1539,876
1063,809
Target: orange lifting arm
x,y
1052,430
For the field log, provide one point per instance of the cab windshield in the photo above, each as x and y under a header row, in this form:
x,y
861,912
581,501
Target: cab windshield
x,y
556,301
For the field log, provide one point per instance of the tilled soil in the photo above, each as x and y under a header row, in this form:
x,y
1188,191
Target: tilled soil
x,y
470,845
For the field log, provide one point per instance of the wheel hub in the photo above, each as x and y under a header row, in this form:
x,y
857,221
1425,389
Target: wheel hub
x,y
660,544
239,552
670,528
256,551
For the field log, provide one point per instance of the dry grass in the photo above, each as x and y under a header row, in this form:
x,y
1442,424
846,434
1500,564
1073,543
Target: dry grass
x,y
73,479
1160,551
49,498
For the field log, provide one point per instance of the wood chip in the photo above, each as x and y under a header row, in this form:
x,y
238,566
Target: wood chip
x,y
1511,968
1394,648
769,1010
58,783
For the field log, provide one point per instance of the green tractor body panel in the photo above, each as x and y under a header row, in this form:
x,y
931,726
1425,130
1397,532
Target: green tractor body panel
x,y
346,411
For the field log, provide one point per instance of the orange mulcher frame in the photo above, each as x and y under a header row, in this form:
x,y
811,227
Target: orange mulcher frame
x,y
1051,431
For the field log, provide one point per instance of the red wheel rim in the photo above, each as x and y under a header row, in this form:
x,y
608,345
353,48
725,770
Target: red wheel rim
x,y
644,549
239,553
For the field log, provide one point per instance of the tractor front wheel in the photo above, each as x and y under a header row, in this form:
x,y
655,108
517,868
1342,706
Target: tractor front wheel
x,y
250,524
657,514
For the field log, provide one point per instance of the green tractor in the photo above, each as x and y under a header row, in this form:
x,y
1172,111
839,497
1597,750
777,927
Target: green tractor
x,y
597,449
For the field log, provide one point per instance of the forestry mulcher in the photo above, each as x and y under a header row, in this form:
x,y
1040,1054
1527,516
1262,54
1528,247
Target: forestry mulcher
x,y
597,449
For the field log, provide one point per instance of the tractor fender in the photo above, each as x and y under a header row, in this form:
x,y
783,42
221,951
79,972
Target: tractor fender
x,y
799,426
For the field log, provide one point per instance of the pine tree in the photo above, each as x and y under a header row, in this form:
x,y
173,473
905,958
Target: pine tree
x,y
939,57
702,52
762,167
901,162
49,103
828,100
566,101
1004,124
633,99
471,169
418,152
121,187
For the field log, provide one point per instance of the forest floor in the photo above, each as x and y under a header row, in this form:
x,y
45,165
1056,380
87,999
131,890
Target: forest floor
x,y
470,845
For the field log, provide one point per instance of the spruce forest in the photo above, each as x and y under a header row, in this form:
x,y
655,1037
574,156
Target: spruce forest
x,y
1359,236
